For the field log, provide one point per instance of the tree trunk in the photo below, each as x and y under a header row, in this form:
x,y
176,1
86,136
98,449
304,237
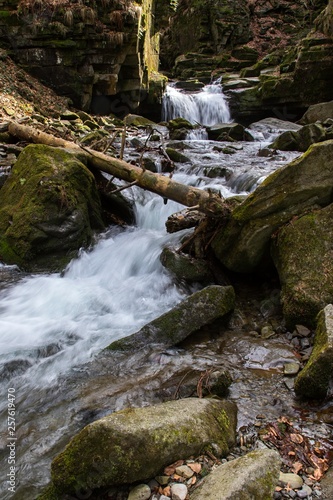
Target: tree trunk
x,y
209,203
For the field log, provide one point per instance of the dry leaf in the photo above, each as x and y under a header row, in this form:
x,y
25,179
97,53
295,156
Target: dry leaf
x,y
166,491
296,438
176,477
195,467
193,480
297,466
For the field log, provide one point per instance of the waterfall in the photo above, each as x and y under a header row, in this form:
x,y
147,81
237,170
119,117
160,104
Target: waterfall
x,y
206,107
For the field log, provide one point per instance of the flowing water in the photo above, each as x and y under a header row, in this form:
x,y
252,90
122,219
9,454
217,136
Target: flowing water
x,y
52,326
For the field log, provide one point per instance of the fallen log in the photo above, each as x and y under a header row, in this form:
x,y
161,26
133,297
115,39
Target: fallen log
x,y
209,203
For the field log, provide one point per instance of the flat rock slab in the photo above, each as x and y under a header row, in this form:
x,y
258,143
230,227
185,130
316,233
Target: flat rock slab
x,y
313,381
135,444
251,477
200,309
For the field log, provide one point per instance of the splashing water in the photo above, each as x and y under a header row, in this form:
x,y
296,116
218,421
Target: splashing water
x,y
207,107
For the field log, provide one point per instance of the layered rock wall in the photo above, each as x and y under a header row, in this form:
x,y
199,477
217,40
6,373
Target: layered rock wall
x,y
99,53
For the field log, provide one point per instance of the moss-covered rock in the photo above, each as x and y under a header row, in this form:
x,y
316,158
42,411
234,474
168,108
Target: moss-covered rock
x,y
138,121
49,207
135,444
229,131
177,156
302,184
251,477
200,309
186,268
303,255
300,140
313,381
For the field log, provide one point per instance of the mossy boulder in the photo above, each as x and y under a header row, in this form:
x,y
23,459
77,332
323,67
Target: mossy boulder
x,y
186,268
303,255
251,477
301,139
177,156
138,121
291,190
135,444
199,309
313,381
49,207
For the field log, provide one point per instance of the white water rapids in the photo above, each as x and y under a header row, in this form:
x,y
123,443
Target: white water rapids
x,y
50,325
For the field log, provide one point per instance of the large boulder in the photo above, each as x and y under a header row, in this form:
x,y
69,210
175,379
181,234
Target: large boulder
x,y
313,381
49,207
302,252
186,268
302,184
136,443
318,112
199,309
251,477
300,140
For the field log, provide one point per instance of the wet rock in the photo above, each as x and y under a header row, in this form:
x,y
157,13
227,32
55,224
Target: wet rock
x,y
185,267
227,131
176,156
133,444
269,126
303,257
254,475
313,381
138,121
140,492
199,309
244,240
300,140
49,206
291,368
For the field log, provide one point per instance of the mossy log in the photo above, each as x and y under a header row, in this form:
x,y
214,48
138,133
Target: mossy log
x,y
207,202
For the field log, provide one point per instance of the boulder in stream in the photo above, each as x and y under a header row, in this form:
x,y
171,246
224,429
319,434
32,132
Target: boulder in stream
x,y
251,477
199,309
313,381
300,140
135,444
49,207
303,184
186,268
303,255
318,112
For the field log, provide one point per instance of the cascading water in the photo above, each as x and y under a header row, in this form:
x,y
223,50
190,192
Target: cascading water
x,y
51,324
206,107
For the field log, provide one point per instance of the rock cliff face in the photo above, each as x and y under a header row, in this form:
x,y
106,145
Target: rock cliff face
x,y
99,53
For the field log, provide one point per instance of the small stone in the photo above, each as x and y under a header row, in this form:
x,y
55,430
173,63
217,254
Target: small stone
x,y
178,491
267,331
184,471
292,494
305,492
163,497
289,383
303,331
293,480
291,368
162,480
140,492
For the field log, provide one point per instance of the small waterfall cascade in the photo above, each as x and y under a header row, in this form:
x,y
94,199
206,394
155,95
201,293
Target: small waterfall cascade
x,y
206,107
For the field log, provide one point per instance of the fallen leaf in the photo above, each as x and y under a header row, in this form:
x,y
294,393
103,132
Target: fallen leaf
x,y
296,438
193,480
166,491
297,466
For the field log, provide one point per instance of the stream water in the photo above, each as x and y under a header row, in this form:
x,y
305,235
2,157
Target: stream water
x,y
53,327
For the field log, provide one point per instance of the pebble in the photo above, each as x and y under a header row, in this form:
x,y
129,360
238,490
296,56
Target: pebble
x,y
162,480
291,368
305,492
184,471
293,480
178,491
140,492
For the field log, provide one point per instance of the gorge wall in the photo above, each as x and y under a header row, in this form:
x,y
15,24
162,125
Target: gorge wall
x,y
105,55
